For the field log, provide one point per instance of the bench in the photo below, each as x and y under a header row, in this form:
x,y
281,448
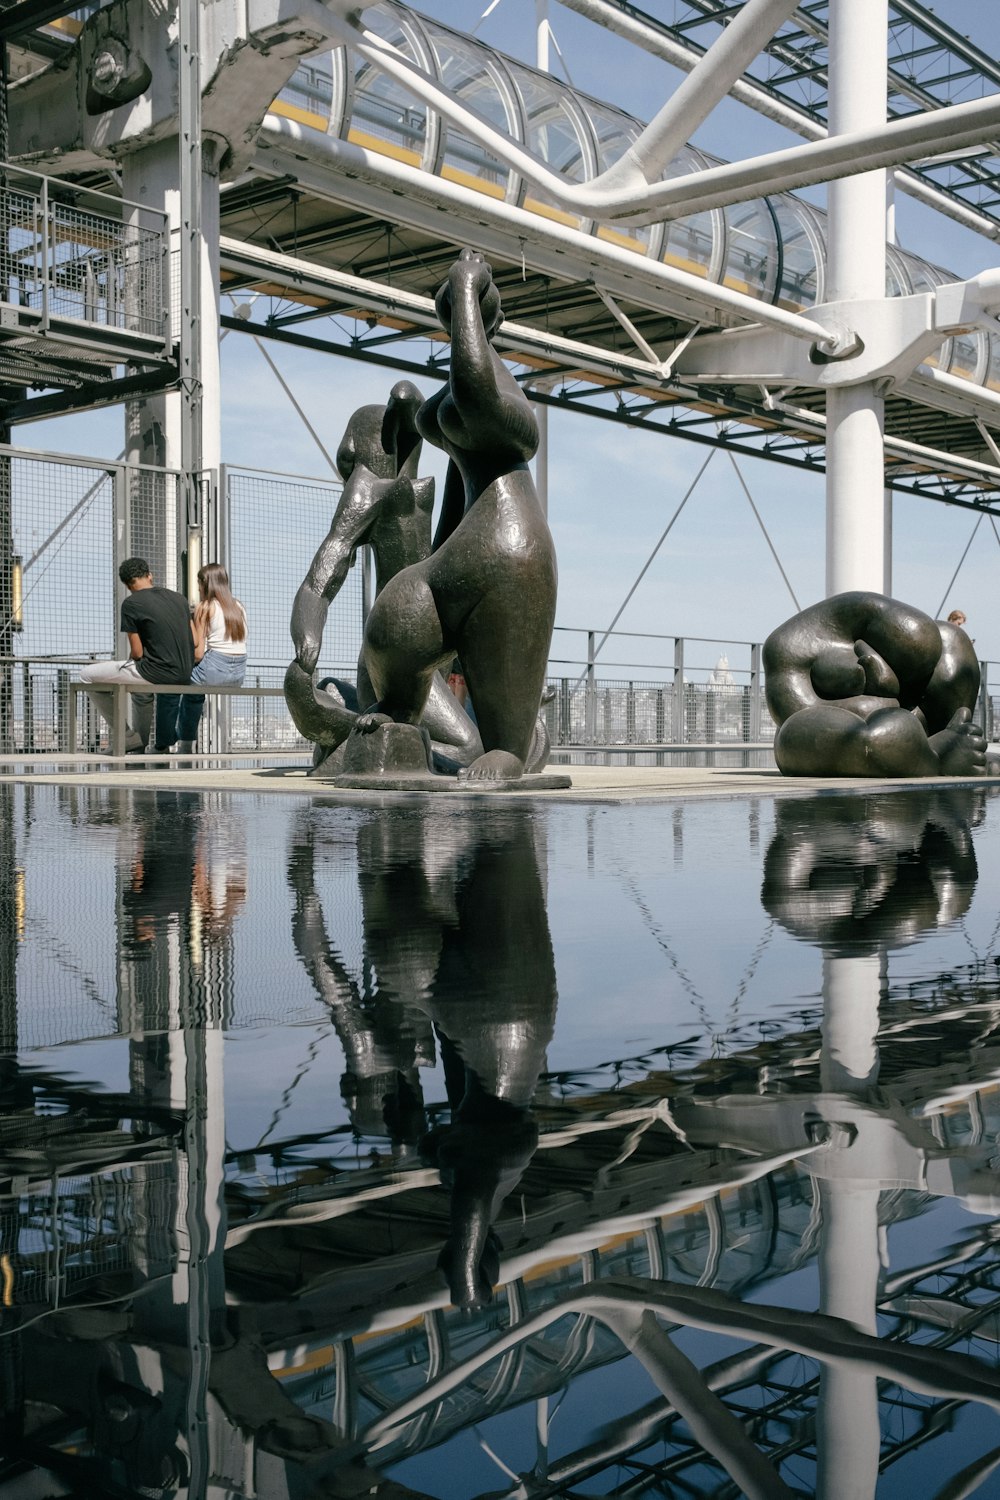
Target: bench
x,y
119,723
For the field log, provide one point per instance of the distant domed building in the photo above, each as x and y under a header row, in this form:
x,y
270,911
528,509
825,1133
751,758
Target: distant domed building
x,y
721,674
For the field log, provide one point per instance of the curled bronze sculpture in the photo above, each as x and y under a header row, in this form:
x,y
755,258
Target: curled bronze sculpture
x,y
862,685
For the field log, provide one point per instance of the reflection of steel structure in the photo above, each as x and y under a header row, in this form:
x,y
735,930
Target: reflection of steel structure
x,y
414,1362
665,1195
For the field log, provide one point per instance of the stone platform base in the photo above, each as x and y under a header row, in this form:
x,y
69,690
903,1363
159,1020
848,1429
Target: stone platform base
x,y
429,782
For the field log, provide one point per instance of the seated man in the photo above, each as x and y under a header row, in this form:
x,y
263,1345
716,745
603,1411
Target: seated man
x,y
861,685
157,622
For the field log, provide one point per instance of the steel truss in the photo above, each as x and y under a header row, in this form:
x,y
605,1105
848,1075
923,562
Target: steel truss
x,y
930,67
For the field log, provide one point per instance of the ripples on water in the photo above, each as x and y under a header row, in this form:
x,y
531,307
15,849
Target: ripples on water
x,y
641,1150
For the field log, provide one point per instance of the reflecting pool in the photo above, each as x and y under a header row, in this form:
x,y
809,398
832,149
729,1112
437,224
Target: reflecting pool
x,y
504,1149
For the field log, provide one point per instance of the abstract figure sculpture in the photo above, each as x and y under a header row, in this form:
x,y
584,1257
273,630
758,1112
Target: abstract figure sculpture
x,y
861,685
385,505
487,592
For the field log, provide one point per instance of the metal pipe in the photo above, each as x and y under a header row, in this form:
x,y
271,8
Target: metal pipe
x,y
645,33
536,232
603,197
855,450
711,78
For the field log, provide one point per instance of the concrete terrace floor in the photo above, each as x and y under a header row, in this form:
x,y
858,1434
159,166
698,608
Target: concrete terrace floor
x,y
261,774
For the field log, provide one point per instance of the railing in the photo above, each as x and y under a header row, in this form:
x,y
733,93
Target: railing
x,y
686,700
42,712
71,253
662,709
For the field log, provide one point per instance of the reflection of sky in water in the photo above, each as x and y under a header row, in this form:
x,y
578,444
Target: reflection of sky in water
x,y
694,947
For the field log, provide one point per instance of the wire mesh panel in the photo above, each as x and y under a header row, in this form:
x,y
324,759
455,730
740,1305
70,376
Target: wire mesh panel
x,y
73,253
619,712
276,523
62,534
151,529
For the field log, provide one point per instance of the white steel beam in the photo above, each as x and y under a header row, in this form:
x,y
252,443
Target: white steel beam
x,y
843,153
351,174
255,264
658,43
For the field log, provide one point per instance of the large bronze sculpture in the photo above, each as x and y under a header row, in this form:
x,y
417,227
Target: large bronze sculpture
x,y
862,685
487,592
386,505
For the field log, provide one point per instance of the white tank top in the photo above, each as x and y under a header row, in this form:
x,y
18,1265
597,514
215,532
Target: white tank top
x,y
217,640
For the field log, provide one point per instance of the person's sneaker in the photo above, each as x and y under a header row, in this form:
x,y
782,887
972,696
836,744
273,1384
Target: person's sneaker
x,y
185,747
133,744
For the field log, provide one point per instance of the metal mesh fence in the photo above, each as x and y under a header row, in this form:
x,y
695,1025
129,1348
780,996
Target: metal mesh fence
x,y
72,253
151,523
62,533
84,1230
620,712
276,524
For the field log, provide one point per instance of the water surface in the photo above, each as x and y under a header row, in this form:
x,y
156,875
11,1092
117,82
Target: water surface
x,y
509,1150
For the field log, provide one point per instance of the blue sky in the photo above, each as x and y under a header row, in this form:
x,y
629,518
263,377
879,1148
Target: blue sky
x,y
611,490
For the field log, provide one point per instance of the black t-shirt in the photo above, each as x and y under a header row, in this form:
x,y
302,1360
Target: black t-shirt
x,y
161,619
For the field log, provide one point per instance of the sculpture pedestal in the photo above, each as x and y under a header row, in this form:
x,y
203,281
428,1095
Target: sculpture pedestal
x,y
451,785
397,758
389,750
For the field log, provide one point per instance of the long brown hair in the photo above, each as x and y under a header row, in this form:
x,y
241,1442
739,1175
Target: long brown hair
x,y
213,580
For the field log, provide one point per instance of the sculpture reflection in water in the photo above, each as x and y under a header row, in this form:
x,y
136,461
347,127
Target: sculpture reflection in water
x,y
457,947
861,685
858,877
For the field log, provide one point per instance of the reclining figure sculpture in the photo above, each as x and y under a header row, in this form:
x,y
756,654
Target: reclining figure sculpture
x,y
862,685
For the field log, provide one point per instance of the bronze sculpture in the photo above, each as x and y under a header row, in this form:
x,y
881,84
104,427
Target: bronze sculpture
x,y
386,505
487,592
862,685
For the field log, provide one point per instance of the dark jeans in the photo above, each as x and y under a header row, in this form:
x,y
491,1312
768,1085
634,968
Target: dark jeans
x,y
165,713
215,666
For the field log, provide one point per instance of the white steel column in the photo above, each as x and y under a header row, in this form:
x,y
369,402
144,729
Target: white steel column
x,y
855,482
542,33
847,1417
155,423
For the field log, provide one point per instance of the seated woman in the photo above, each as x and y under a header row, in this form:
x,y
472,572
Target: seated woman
x,y
487,592
220,648
862,685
